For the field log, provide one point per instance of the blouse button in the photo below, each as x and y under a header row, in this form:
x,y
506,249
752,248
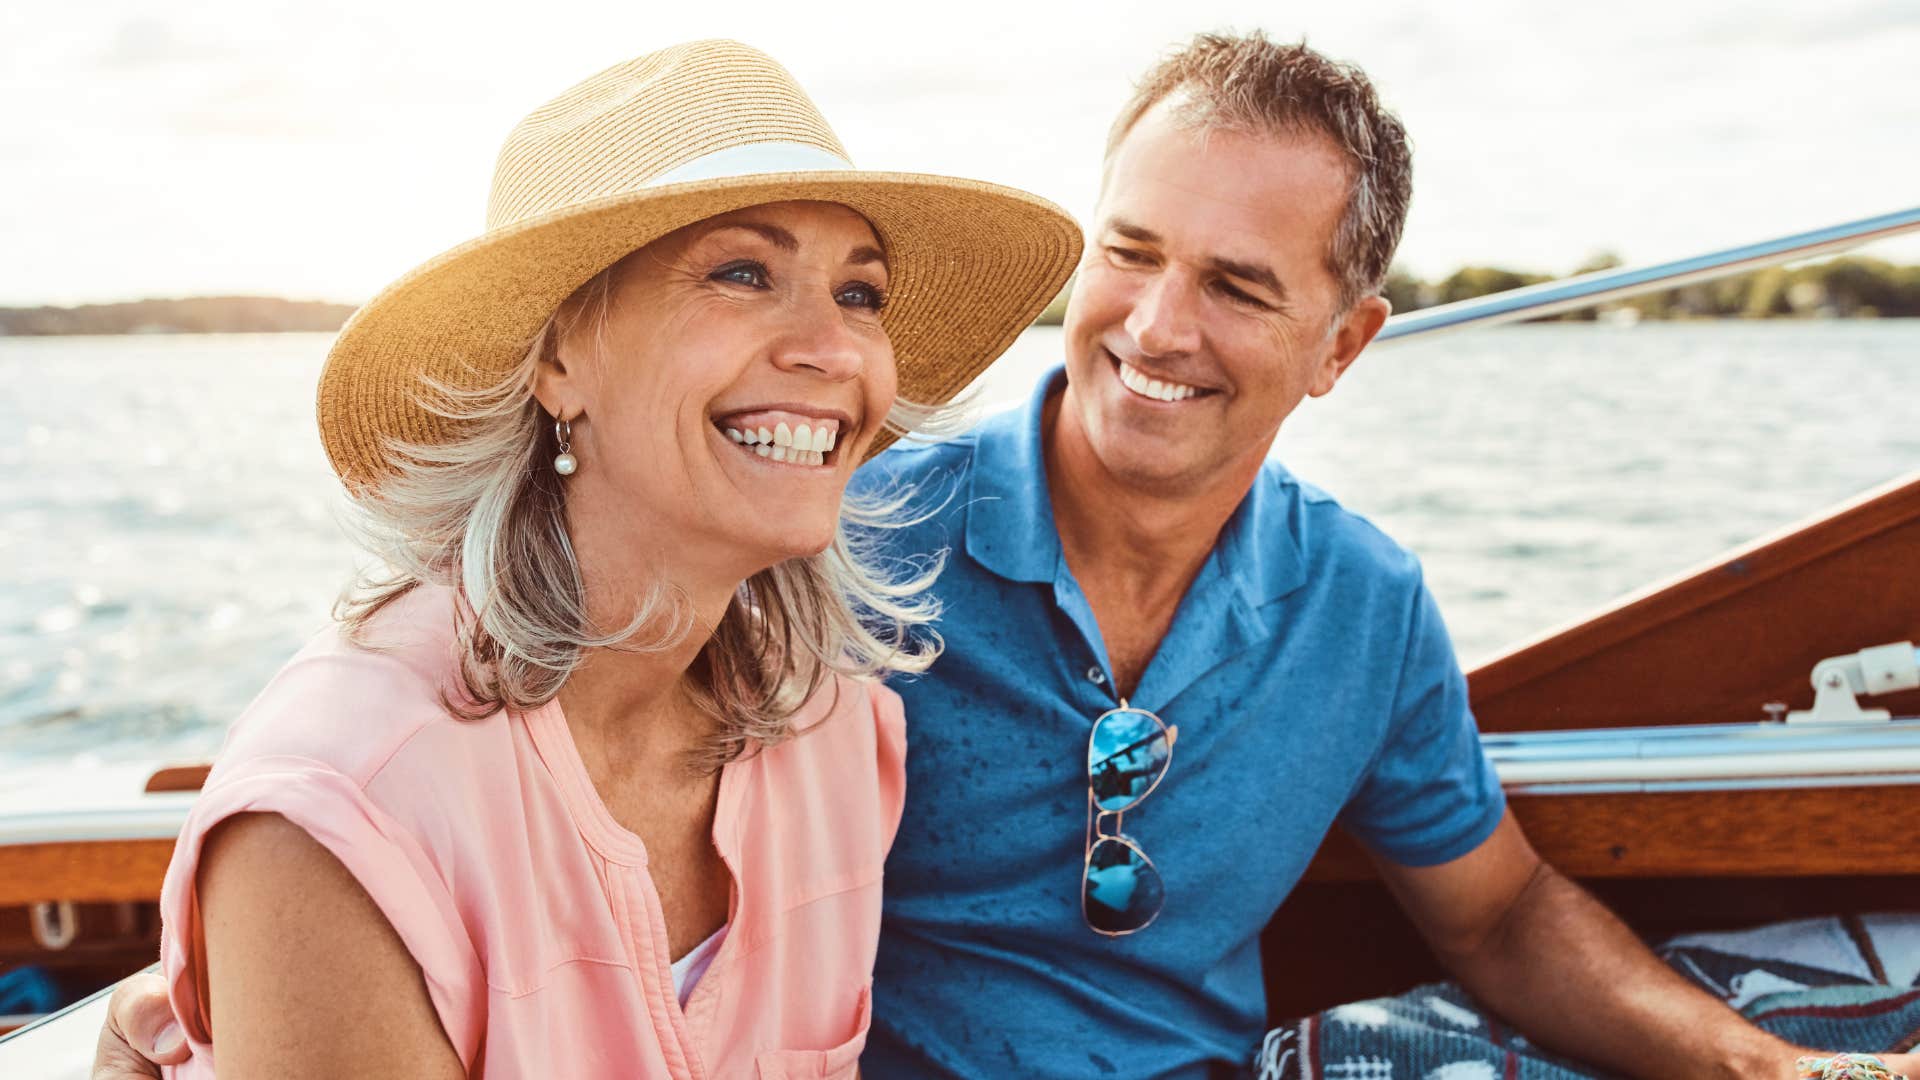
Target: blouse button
x,y
1096,676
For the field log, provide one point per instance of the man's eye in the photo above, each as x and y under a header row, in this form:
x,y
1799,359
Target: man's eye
x,y
750,274
862,294
1239,297
1128,255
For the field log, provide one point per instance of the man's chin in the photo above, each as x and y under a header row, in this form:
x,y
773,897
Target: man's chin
x,y
1158,473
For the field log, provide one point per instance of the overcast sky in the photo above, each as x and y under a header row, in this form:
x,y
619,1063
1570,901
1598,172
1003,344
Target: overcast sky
x,y
319,150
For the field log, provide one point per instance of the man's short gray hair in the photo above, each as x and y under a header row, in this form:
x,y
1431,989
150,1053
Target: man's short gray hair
x,y
1247,82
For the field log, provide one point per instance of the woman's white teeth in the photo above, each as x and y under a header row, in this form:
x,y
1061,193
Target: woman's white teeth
x,y
802,445
1141,383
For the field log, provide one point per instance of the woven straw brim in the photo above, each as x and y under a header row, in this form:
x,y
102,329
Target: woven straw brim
x,y
970,265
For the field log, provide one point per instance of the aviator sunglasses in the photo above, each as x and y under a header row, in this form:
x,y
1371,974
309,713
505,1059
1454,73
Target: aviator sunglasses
x,y
1127,754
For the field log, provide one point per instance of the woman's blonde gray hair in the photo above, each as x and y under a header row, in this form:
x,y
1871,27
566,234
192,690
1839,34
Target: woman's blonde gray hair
x,y
485,514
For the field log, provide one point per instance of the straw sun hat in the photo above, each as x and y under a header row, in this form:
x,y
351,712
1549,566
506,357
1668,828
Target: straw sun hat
x,y
647,147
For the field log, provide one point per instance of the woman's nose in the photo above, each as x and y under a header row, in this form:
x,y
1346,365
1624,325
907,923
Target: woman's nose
x,y
817,339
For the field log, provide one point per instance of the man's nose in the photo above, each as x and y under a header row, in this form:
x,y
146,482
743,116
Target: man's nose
x,y
1165,320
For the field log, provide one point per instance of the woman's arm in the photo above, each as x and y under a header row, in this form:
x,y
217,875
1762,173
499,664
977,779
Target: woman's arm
x,y
305,977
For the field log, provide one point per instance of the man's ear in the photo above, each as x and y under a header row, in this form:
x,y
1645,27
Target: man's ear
x,y
1356,329
559,379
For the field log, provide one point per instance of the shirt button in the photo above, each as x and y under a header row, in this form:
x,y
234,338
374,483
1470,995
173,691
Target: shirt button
x,y
1096,676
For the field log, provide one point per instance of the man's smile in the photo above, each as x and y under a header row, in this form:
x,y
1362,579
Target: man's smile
x,y
1152,387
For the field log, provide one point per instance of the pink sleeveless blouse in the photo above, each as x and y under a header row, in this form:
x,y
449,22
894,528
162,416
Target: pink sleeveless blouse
x,y
527,906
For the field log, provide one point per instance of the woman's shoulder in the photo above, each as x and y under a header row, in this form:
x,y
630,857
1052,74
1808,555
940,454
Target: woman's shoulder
x,y
847,761
846,712
353,704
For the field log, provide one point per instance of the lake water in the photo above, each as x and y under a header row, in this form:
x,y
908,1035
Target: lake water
x,y
167,529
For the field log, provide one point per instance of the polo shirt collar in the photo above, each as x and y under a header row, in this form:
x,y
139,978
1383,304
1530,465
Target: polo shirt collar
x,y
1010,528
1260,545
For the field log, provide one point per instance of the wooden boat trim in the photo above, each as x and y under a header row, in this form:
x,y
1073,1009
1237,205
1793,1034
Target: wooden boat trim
x,y
91,871
1839,831
1893,504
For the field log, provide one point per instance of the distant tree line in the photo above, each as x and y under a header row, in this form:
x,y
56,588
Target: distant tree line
x,y
198,315
1845,288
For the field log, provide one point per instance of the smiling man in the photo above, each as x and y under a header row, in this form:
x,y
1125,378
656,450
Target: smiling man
x,y
1126,561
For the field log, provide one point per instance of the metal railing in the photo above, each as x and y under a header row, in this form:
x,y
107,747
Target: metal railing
x,y
1707,757
1587,290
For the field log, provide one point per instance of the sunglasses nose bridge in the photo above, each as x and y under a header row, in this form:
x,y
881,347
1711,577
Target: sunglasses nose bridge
x,y
1118,817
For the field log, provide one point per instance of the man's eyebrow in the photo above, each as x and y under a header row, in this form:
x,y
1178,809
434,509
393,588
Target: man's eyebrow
x,y
772,234
1245,271
1131,231
1254,272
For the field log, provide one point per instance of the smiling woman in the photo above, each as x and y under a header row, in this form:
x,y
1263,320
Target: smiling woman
x,y
596,778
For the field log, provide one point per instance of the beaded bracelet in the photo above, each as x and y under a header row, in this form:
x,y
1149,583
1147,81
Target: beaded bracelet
x,y
1846,1067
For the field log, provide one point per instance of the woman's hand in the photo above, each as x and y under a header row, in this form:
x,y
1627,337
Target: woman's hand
x,y
140,1034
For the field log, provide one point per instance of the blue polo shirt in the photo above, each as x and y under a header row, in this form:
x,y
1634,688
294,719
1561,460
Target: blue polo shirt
x,y
1312,682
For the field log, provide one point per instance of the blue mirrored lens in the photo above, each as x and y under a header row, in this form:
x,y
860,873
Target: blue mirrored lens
x,y
1122,891
1127,753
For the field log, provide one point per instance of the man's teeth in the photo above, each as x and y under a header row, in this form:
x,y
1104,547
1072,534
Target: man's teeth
x,y
802,445
1140,383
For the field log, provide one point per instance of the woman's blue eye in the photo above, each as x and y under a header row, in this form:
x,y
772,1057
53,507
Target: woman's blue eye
x,y
861,294
746,273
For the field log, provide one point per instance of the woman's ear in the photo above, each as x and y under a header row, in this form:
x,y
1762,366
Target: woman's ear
x,y
559,382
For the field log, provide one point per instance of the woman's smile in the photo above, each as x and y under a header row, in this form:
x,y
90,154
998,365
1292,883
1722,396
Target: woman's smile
x,y
787,435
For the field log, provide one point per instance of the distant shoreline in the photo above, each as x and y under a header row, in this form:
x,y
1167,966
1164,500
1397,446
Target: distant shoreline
x,y
192,315
1843,288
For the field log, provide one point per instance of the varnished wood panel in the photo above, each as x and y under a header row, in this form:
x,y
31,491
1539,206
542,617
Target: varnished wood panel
x,y
1716,644
179,778
1829,831
97,871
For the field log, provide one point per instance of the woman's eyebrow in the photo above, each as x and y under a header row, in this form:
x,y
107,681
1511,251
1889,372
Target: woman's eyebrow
x,y
787,242
772,234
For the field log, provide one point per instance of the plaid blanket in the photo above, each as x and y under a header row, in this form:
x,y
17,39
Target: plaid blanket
x,y
1851,983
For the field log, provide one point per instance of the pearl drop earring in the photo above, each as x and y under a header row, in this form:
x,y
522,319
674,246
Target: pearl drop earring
x,y
566,463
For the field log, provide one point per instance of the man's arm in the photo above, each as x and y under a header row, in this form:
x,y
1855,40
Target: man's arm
x,y
140,1034
1547,956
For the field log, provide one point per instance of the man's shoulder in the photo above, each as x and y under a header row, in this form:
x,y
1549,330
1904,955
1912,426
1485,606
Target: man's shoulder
x,y
1332,537
916,461
919,484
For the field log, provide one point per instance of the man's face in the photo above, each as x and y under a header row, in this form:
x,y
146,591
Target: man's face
x,y
1204,309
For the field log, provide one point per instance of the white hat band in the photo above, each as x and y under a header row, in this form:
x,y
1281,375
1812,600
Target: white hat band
x,y
748,159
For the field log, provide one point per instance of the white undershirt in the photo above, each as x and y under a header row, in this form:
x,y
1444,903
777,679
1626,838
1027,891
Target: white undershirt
x,y
688,969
